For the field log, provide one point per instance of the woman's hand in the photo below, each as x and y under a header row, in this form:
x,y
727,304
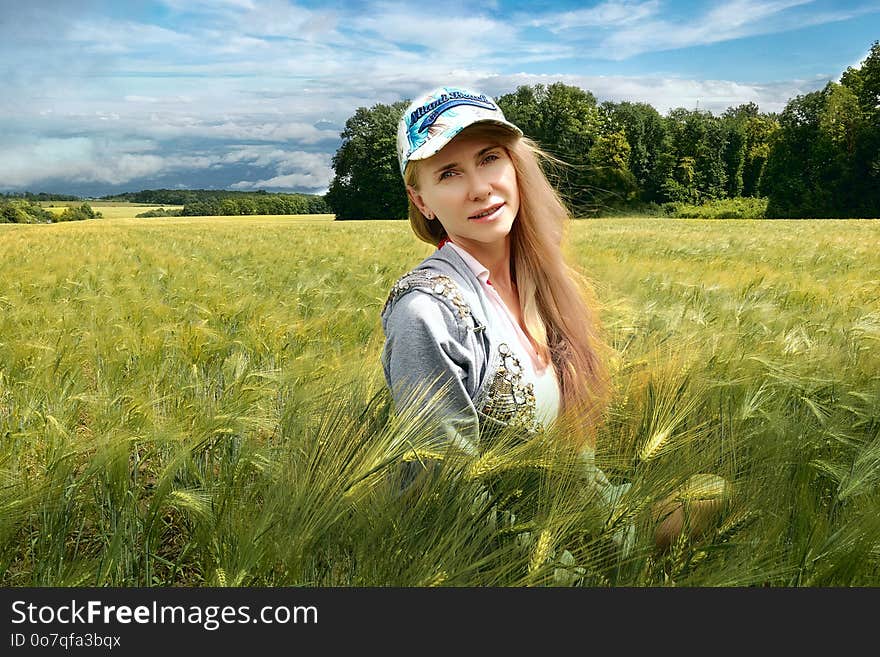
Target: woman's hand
x,y
691,510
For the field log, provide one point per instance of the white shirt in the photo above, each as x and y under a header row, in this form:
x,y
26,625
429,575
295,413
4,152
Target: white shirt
x,y
541,375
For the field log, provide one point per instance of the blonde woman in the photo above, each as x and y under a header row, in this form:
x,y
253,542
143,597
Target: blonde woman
x,y
494,323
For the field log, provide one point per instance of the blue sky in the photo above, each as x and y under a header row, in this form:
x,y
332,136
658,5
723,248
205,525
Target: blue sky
x,y
101,97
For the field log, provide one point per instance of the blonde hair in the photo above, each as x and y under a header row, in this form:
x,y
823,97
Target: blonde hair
x,y
558,306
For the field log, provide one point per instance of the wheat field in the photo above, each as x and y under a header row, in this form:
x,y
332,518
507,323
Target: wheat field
x,y
199,401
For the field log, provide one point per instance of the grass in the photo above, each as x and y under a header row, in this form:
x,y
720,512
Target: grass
x,y
728,208
192,401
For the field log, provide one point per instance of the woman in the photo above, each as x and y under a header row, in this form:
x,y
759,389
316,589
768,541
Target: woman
x,y
494,325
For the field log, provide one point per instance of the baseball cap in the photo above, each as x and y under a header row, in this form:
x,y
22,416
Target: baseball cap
x,y
433,119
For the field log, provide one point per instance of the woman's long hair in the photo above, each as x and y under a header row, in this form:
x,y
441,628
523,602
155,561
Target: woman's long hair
x,y
558,306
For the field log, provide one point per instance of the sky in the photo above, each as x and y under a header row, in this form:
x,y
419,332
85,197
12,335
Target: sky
x,y
100,97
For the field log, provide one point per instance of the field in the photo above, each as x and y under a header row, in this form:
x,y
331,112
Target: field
x,y
199,401
108,209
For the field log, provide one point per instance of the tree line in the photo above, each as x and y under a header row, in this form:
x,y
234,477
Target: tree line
x,y
207,202
18,210
41,196
819,157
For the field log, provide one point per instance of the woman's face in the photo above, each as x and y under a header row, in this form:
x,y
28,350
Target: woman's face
x,y
470,188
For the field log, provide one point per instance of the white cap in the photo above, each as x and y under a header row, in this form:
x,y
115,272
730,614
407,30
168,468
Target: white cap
x,y
435,118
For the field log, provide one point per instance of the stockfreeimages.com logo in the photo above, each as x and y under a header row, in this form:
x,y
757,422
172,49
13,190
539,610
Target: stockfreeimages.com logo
x,y
210,617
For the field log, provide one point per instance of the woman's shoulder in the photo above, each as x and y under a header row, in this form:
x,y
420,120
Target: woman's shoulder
x,y
442,276
432,283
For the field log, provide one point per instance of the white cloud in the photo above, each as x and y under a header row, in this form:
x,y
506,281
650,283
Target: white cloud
x,y
134,98
275,129
107,160
206,118
115,36
295,169
607,14
732,20
283,19
283,160
465,36
190,5
310,181
79,159
263,18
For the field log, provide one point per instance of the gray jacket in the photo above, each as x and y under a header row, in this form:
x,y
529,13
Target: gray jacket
x,y
442,345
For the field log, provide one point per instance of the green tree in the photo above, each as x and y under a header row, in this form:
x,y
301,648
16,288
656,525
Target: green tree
x,y
799,177
695,147
613,183
21,211
523,108
841,118
864,81
366,182
645,133
248,205
736,123
78,213
565,121
819,166
760,133
229,207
